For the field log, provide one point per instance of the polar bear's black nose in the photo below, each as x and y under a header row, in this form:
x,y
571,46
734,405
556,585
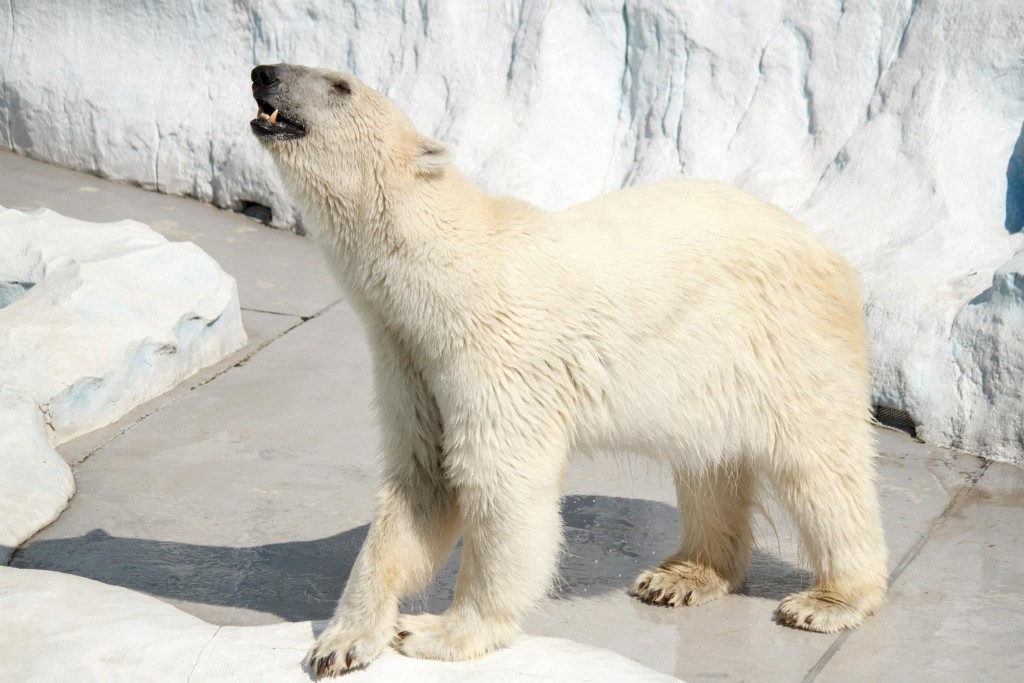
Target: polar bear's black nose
x,y
264,75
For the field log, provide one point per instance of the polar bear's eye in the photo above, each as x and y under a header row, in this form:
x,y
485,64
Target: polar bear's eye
x,y
342,87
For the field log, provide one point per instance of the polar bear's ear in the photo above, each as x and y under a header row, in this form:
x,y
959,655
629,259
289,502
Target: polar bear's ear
x,y
433,157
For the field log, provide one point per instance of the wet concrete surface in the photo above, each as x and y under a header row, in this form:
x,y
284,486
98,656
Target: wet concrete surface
x,y
243,496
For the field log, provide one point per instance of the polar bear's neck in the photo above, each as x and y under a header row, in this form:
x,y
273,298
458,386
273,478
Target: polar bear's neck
x,y
409,254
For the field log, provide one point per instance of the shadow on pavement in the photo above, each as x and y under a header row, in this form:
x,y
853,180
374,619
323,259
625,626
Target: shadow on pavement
x,y
608,541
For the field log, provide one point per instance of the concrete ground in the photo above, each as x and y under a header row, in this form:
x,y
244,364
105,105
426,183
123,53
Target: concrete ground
x,y
242,496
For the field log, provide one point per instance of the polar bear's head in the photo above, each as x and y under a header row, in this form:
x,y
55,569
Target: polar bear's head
x,y
329,130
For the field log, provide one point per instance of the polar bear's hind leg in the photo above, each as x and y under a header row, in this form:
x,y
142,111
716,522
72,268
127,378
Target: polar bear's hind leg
x,y
714,551
832,499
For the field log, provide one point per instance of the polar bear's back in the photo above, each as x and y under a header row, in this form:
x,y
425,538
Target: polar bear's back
x,y
703,236
711,297
684,214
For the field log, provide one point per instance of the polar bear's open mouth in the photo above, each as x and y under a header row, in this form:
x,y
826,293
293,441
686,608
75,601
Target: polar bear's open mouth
x,y
271,123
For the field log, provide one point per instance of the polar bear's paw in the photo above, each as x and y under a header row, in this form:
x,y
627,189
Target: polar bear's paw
x,y
678,583
826,611
341,649
446,638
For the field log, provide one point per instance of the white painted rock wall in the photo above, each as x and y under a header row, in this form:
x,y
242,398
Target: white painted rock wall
x,y
35,482
116,315
55,623
95,319
889,126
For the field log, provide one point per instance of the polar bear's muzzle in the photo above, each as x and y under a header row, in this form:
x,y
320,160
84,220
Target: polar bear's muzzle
x,y
270,122
274,124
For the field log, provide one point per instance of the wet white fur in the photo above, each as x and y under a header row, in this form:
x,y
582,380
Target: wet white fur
x,y
684,320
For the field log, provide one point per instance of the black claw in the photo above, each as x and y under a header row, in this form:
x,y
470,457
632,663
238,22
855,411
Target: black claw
x,y
349,656
403,634
686,598
324,665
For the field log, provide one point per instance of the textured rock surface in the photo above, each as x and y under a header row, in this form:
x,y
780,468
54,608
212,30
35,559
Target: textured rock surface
x,y
56,623
892,127
95,319
35,482
108,317
989,375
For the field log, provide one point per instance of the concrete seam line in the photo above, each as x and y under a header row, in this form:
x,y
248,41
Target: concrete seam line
x,y
241,361
201,651
909,557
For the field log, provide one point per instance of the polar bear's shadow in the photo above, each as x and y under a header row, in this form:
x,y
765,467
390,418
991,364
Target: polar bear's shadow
x,y
608,540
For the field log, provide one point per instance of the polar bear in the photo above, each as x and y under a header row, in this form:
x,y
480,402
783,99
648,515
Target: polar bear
x,y
684,320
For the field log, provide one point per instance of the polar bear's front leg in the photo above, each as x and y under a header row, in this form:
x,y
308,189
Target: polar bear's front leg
x,y
511,529
412,535
414,529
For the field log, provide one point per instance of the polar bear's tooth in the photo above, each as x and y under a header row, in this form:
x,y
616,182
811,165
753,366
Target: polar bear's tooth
x,y
273,117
